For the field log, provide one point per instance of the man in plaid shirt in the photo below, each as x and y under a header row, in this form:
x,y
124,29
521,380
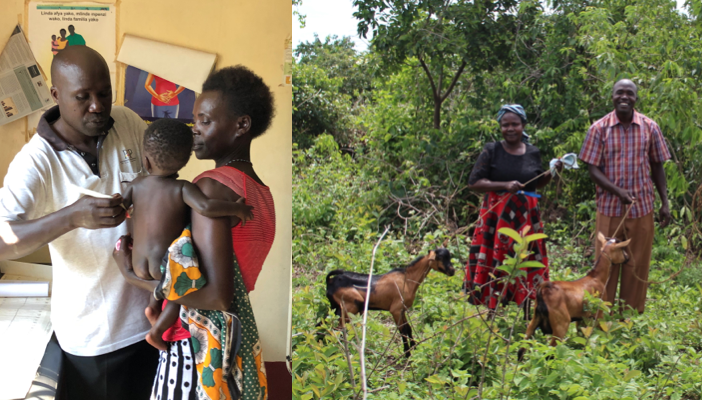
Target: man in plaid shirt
x,y
625,152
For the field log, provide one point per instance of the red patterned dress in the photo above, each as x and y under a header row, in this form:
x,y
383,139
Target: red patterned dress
x,y
503,209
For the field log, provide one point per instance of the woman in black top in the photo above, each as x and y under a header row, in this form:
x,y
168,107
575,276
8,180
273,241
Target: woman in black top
x,y
504,172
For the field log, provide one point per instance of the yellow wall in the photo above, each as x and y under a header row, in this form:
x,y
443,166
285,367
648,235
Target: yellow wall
x,y
251,33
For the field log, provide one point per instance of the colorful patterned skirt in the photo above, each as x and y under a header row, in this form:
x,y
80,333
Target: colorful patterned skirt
x,y
224,345
489,248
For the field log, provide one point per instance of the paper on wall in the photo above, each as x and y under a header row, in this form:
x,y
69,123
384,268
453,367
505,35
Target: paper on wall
x,y
287,62
180,65
23,89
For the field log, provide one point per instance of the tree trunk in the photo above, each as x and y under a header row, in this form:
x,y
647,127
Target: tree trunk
x,y
437,112
436,90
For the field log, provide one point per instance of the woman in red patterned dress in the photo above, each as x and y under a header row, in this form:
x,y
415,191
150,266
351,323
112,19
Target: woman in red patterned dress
x,y
501,172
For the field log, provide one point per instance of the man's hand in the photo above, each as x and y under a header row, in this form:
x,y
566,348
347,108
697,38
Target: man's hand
x,y
559,166
664,217
625,196
93,213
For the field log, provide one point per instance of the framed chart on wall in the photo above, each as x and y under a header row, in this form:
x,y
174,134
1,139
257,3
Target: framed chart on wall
x,y
55,26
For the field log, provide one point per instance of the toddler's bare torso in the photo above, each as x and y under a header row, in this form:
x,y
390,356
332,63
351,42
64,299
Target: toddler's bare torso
x,y
158,218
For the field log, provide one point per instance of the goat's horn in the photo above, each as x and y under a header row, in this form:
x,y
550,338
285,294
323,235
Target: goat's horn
x,y
601,238
622,244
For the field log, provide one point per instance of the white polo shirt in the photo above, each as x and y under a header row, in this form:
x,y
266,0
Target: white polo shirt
x,y
93,309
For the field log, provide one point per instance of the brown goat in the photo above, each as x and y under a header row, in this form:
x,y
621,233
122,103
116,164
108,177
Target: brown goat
x,y
393,291
561,302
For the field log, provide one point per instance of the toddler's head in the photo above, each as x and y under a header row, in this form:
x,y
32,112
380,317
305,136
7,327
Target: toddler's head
x,y
168,143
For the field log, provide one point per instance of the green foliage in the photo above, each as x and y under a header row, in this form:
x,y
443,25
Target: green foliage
x,y
331,84
406,172
561,65
461,352
446,38
300,17
512,264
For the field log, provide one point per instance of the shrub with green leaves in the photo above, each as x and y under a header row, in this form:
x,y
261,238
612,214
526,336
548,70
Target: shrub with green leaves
x,y
404,172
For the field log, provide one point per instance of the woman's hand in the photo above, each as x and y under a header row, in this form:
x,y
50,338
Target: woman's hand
x,y
513,186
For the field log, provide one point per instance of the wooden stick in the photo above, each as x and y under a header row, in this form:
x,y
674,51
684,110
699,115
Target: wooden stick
x,y
364,384
626,214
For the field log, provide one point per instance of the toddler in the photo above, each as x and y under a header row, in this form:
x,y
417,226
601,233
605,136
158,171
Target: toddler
x,y
160,210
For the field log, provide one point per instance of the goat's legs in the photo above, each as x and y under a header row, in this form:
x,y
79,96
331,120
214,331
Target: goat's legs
x,y
559,333
404,328
532,326
526,306
344,316
529,333
559,317
348,301
407,332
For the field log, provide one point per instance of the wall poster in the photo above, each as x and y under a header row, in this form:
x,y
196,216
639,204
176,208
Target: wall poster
x,y
55,26
153,97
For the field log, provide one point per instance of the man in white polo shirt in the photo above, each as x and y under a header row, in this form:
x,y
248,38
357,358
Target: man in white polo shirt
x,y
98,318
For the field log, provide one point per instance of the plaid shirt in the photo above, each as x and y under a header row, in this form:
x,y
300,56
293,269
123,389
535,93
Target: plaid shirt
x,y
625,156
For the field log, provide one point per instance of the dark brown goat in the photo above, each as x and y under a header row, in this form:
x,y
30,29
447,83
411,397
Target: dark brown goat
x,y
393,291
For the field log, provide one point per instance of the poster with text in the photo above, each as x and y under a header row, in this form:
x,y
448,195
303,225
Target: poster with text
x,y
55,26
153,97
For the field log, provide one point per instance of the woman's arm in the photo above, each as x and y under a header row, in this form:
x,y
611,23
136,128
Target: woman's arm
x,y
479,177
486,185
213,240
211,208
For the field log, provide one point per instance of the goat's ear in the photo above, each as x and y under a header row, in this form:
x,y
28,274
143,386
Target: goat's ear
x,y
601,238
622,244
432,255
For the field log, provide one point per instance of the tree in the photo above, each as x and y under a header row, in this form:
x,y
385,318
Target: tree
x,y
331,84
447,37
296,13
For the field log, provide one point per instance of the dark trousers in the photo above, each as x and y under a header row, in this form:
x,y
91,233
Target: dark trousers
x,y
124,374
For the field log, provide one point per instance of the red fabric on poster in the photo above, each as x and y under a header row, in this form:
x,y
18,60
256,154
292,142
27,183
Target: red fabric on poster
x,y
162,86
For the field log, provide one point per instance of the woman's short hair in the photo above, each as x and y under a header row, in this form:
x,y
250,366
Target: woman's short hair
x,y
244,93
